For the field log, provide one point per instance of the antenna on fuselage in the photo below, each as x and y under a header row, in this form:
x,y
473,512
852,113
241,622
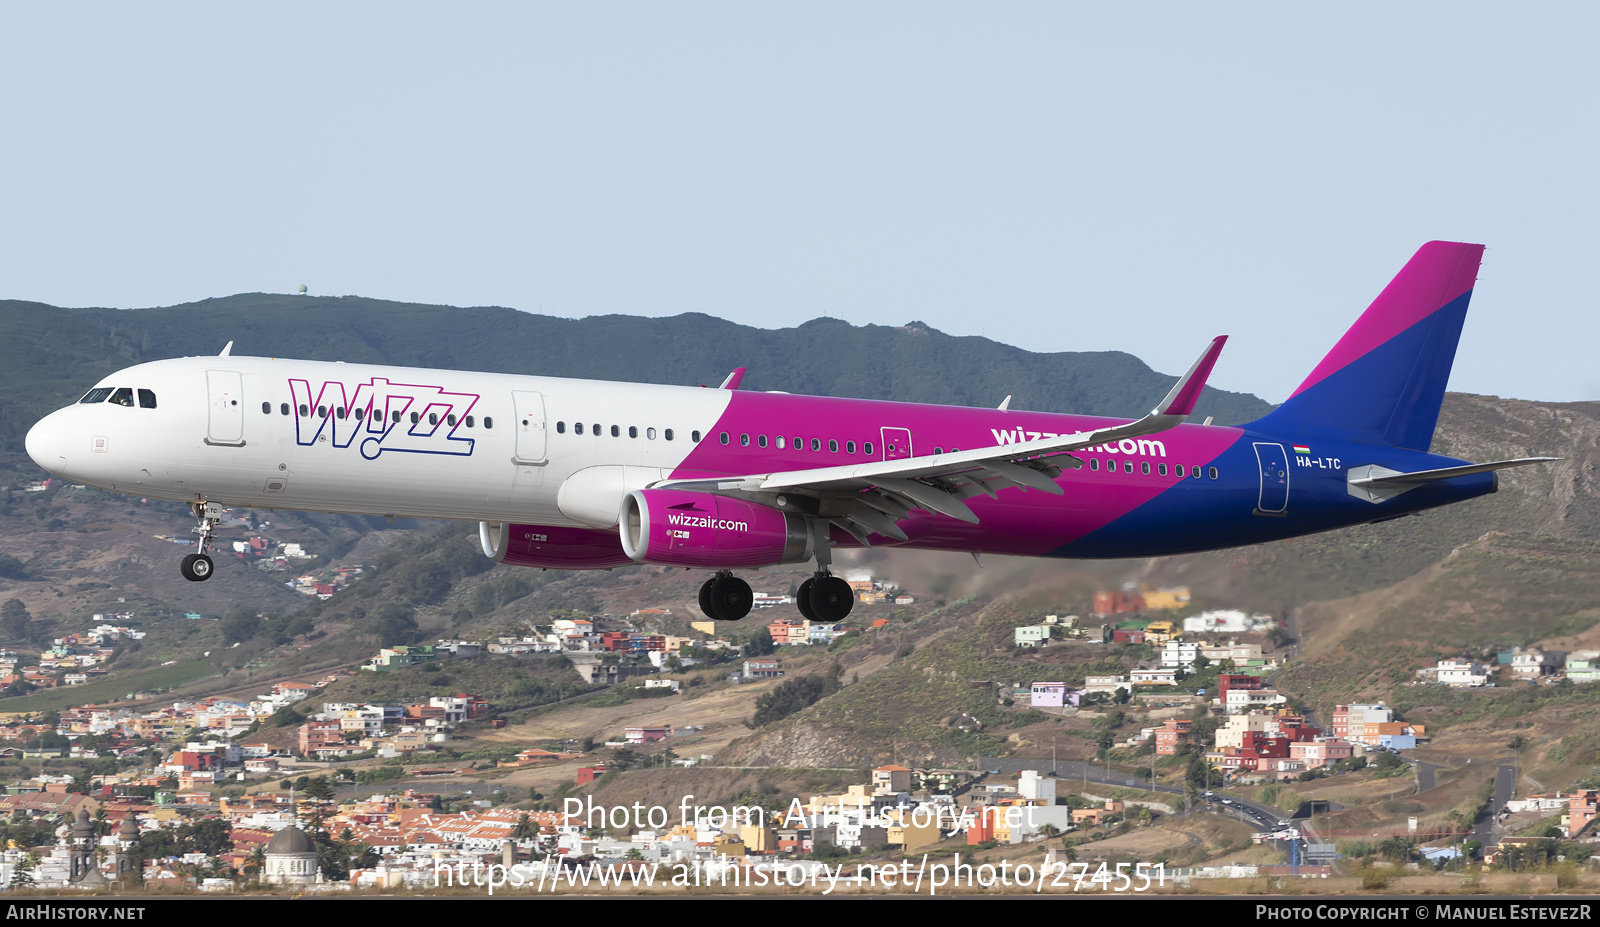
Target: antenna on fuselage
x,y
1005,404
226,349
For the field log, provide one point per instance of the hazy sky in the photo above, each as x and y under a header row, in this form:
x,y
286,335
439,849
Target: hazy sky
x,y
1056,176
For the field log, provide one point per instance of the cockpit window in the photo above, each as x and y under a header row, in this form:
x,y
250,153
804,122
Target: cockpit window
x,y
98,394
123,397
147,399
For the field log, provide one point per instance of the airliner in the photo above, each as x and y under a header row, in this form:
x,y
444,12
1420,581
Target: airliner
x,y
588,474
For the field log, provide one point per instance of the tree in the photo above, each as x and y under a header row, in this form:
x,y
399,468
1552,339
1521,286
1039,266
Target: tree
x,y
761,644
320,788
240,625
14,621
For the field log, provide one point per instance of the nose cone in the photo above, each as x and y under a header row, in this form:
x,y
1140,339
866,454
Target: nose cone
x,y
47,444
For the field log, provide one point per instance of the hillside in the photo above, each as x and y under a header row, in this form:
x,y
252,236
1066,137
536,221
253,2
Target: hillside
x,y
49,355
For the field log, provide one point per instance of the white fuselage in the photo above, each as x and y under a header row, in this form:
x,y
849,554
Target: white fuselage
x,y
274,433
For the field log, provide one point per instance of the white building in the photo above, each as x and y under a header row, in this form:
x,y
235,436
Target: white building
x,y
1461,673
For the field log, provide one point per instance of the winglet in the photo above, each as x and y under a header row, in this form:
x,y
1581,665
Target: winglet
x,y
226,349
1187,390
732,382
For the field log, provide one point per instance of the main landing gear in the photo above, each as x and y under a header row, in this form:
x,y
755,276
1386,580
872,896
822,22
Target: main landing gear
x,y
824,597
197,568
726,597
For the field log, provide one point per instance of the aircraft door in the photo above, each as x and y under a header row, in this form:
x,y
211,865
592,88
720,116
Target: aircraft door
x,y
531,437
1274,499
225,420
896,443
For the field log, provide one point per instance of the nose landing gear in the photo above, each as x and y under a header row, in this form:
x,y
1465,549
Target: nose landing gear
x,y
197,568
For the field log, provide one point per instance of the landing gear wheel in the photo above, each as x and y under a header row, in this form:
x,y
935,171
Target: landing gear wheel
x,y
731,598
831,598
196,568
802,601
705,598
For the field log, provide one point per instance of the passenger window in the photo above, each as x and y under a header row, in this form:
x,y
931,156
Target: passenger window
x,y
866,448
360,414
433,418
577,428
1162,469
322,412
761,440
448,420
1111,465
937,450
650,434
1195,471
1178,469
595,429
98,394
1094,462
339,413
1144,467
778,442
306,412
266,408
283,408
849,447
488,421
1213,472
416,417
123,397
1127,466
816,444
396,415
833,446
615,433
633,431
723,437
561,427
799,444
469,421
744,440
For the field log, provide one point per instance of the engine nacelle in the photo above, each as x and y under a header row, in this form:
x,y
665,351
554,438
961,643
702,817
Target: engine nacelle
x,y
551,548
676,527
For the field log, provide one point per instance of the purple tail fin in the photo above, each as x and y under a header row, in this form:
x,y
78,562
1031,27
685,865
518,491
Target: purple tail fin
x,y
1385,379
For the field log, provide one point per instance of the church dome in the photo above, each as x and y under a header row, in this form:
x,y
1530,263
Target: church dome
x,y
290,840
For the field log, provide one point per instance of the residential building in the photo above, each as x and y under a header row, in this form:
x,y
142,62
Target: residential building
x,y
1584,666
1182,654
1048,695
1032,636
1461,673
1171,734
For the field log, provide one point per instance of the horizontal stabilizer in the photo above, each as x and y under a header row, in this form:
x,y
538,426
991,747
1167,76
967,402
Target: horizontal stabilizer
x,y
1377,484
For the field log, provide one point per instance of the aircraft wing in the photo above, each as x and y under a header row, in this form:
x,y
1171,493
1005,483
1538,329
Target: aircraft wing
x,y
869,497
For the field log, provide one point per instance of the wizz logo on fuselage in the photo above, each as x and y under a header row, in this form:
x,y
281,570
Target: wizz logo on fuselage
x,y
379,413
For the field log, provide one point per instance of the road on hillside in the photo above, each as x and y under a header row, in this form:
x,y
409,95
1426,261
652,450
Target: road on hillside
x,y
1505,780
1259,816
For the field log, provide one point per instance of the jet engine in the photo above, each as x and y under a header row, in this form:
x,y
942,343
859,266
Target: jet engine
x,y
551,548
675,527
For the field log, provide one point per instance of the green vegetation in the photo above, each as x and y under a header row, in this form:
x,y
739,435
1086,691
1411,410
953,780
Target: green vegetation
x,y
791,696
109,690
